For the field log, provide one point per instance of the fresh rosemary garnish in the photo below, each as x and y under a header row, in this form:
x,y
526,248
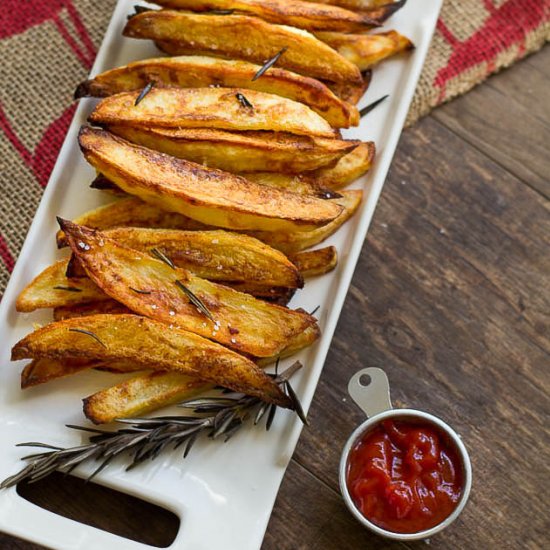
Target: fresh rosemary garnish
x,y
163,257
314,311
269,63
328,194
146,438
144,92
244,102
67,288
88,333
138,10
138,291
369,108
195,300
218,12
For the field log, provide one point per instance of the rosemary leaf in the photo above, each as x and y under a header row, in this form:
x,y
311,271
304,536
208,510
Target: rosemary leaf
x,y
67,288
269,63
88,333
327,194
218,12
195,300
162,257
138,291
143,93
314,311
244,102
365,110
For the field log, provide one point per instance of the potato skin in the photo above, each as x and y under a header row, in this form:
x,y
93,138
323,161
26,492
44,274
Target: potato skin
x,y
206,195
239,152
242,37
148,287
151,345
295,13
195,71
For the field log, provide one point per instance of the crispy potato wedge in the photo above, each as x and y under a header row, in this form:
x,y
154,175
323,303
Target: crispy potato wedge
x,y
298,241
216,108
195,71
349,168
131,211
240,152
52,288
45,369
366,50
140,395
295,13
242,37
215,255
315,262
206,195
175,296
152,345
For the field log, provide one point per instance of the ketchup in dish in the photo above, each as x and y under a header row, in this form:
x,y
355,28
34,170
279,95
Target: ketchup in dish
x,y
404,477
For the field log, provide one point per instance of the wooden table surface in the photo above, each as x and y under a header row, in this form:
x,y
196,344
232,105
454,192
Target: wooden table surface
x,y
451,297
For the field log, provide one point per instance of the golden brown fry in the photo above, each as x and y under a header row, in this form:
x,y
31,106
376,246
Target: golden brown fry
x,y
240,152
175,296
297,241
215,255
148,344
242,37
207,195
134,212
45,369
216,108
140,395
348,168
295,13
51,289
366,50
315,262
195,71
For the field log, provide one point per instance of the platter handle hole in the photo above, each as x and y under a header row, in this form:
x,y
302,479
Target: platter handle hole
x,y
104,508
365,380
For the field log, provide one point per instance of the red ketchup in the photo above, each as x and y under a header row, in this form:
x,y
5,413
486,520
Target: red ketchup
x,y
404,477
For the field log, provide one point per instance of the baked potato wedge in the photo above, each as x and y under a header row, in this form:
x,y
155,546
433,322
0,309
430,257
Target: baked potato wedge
x,y
141,394
315,262
242,37
164,292
151,345
366,50
131,211
295,13
195,71
215,255
240,152
45,369
207,195
216,108
297,241
51,288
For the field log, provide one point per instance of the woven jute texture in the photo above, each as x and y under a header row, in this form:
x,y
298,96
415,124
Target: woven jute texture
x,y
47,47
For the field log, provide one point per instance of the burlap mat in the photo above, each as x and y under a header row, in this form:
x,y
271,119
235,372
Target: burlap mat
x,y
46,47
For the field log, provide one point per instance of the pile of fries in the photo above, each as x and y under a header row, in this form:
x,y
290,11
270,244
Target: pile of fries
x,y
227,163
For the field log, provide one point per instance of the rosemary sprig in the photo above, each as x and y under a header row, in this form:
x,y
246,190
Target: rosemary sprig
x,y
67,288
327,194
365,110
88,333
138,10
144,92
145,438
163,257
244,102
138,291
195,300
218,12
269,63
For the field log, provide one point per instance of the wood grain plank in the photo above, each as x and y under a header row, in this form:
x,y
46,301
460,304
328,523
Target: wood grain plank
x,y
451,296
515,134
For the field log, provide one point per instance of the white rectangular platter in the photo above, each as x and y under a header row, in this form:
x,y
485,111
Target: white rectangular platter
x,y
223,493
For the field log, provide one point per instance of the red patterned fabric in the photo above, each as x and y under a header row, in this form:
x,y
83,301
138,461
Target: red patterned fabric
x,y
47,47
